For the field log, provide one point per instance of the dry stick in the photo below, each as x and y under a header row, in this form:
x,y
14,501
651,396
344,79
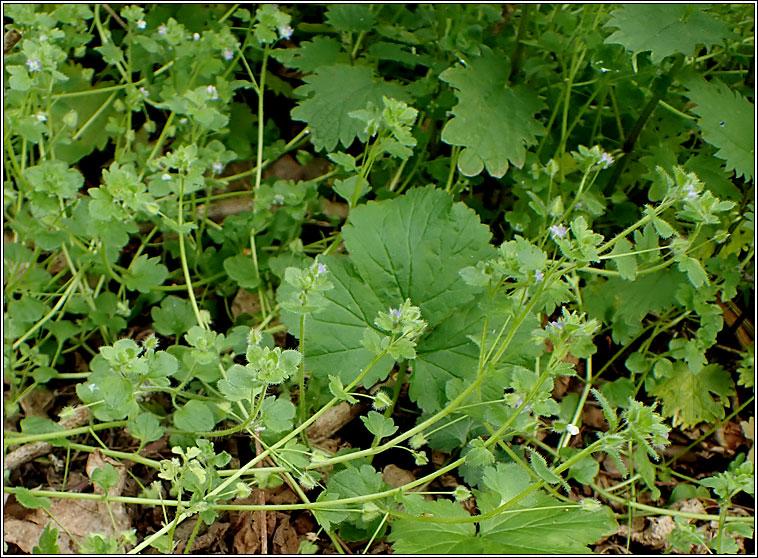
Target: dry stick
x,y
262,501
27,452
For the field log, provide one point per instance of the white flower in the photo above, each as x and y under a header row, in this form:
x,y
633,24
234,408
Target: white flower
x,y
41,117
218,167
196,36
212,92
141,24
162,30
572,429
166,176
228,54
285,31
34,64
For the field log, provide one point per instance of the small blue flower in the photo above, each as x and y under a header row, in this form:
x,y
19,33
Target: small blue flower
x,y
144,91
606,160
539,276
212,92
691,193
34,65
141,24
218,167
278,199
195,36
285,31
320,269
558,230
228,54
557,325
396,313
162,30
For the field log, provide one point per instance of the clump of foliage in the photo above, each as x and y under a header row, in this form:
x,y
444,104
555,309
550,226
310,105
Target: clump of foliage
x,y
551,193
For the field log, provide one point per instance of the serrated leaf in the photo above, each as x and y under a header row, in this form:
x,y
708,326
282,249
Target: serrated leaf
x,y
664,29
351,17
174,317
338,390
548,529
350,483
410,247
310,55
726,121
331,94
492,122
688,398
539,466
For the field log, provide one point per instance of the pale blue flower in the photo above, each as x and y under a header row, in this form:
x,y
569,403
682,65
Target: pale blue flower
x,y
141,24
212,92
396,313
162,30
285,31
218,167
606,160
278,199
195,36
320,269
34,65
539,276
558,230
144,91
228,54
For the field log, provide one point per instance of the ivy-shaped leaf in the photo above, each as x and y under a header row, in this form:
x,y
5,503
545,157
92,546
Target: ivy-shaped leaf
x,y
492,122
331,93
664,29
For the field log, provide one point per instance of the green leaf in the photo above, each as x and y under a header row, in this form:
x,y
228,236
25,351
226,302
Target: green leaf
x,y
625,262
338,390
278,414
145,427
331,93
350,483
494,123
414,246
548,529
351,17
539,466
174,317
423,537
31,501
687,397
145,274
242,270
239,383
379,425
195,416
409,247
726,121
105,477
665,29
48,541
311,55
353,188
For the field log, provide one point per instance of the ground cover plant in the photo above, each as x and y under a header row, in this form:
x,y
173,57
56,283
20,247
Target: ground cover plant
x,y
391,278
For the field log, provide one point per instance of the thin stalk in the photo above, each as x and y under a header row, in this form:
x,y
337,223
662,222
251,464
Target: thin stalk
x,y
261,121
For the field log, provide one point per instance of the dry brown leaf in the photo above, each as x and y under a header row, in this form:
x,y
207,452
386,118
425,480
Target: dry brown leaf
x,y
395,476
285,540
245,302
